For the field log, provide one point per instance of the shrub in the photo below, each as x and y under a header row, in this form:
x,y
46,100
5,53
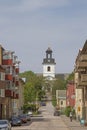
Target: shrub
x,y
67,111
28,107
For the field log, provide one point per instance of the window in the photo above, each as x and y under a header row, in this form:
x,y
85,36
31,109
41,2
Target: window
x,y
2,76
48,55
2,93
7,56
9,70
14,104
48,69
61,102
9,84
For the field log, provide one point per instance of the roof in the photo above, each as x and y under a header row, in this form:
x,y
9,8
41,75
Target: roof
x,y
84,49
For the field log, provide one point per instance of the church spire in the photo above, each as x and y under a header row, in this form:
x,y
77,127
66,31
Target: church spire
x,y
49,65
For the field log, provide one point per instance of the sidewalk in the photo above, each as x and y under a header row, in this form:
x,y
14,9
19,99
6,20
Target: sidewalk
x,y
74,125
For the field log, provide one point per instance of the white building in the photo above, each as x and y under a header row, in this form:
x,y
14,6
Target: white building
x,y
49,65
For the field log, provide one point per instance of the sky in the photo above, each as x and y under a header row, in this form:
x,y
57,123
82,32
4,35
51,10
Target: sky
x,y
29,27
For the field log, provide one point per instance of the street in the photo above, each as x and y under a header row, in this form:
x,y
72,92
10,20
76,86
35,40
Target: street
x,y
45,121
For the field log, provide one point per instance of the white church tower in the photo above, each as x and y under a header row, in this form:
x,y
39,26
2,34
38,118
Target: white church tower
x,y
49,65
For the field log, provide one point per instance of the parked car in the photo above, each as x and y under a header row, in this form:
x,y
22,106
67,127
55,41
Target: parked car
x,y
28,117
15,121
30,113
5,125
56,113
43,103
23,118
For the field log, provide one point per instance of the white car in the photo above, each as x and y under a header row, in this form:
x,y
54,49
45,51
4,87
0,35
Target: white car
x,y
5,125
30,113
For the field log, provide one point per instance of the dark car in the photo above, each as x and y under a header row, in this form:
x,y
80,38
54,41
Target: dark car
x,y
5,125
56,113
15,121
23,118
43,103
28,117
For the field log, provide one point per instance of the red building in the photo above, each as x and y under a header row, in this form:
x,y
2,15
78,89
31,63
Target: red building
x,y
70,94
10,63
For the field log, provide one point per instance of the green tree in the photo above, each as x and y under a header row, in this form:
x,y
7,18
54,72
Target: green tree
x,y
29,93
58,84
70,77
33,87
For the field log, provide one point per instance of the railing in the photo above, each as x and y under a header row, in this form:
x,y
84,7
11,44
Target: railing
x,y
8,77
81,64
82,84
7,62
84,77
83,57
8,93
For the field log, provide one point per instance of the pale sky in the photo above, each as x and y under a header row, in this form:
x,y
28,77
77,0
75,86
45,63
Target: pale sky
x,y
29,27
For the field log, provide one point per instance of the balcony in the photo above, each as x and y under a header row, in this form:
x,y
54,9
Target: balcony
x,y
81,64
84,77
17,70
7,62
8,93
14,79
81,84
81,70
14,95
17,83
17,96
8,77
83,57
2,84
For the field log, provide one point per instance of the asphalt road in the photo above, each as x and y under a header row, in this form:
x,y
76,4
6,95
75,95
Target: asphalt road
x,y
45,121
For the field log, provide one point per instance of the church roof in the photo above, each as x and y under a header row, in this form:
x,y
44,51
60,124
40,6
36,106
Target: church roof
x,y
49,49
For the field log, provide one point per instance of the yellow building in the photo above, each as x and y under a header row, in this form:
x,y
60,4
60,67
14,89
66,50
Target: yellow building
x,y
61,99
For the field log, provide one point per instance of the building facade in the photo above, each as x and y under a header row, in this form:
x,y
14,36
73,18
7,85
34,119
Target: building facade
x,y
3,100
81,83
61,99
10,63
70,94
